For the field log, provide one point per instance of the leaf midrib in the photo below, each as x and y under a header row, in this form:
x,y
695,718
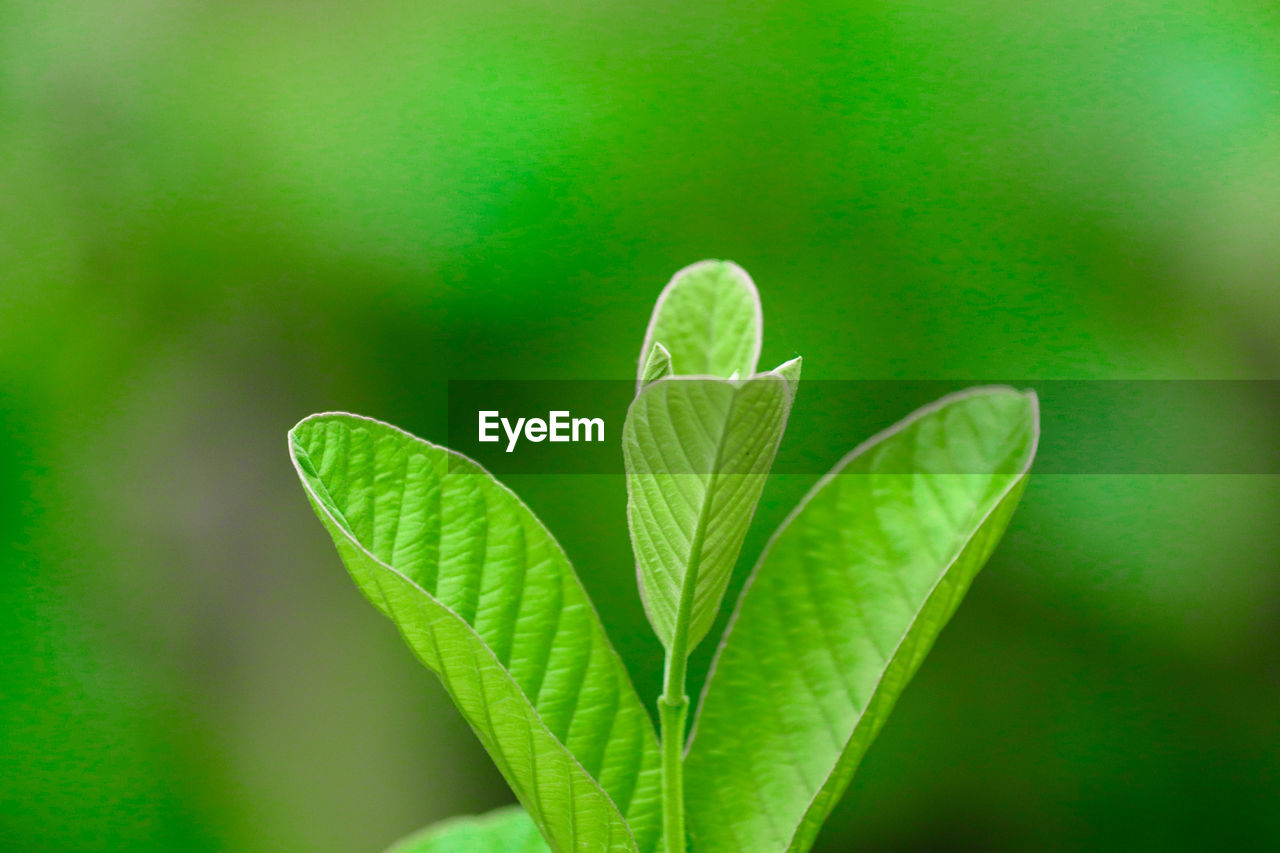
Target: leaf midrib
x,y
693,566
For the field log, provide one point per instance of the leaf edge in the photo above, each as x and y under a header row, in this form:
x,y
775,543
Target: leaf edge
x,y
315,501
1015,488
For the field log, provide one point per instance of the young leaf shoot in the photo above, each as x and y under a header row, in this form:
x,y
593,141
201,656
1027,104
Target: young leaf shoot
x,y
842,606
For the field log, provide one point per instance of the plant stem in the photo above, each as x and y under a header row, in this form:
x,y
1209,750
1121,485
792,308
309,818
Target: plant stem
x,y
673,707
673,704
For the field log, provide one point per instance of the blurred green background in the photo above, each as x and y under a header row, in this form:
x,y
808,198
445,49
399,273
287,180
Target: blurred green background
x,y
217,218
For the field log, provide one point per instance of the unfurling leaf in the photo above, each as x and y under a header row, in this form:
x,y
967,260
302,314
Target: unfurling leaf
x,y
656,366
697,452
708,318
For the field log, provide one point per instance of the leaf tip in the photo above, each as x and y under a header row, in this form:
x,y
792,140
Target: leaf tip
x,y
657,365
790,371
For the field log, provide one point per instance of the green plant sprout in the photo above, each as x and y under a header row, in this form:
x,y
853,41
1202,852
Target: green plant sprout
x,y
839,611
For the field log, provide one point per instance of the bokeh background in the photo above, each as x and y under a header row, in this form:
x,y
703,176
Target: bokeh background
x,y
216,218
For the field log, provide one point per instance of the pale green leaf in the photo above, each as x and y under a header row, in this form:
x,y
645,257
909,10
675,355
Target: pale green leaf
x,y
507,830
708,318
697,452
656,366
843,605
487,599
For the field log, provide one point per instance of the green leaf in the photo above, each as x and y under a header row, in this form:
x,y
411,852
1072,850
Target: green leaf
x,y
507,830
708,318
697,452
843,605
656,366
487,600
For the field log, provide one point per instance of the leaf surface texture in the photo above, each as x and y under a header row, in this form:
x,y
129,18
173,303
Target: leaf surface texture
x,y
843,605
486,599
697,452
708,318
